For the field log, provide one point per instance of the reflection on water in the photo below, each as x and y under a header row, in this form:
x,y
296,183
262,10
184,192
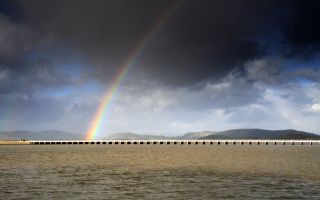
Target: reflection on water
x,y
158,172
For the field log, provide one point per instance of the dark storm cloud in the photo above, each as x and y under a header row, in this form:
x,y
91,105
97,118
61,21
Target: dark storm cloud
x,y
201,40
40,76
208,39
302,33
103,31
25,66
15,39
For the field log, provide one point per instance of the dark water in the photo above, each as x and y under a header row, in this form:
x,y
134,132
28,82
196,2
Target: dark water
x,y
159,172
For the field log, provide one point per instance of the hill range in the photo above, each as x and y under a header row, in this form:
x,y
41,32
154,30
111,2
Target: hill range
x,y
204,135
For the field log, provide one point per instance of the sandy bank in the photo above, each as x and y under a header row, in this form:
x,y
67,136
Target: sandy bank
x,y
8,142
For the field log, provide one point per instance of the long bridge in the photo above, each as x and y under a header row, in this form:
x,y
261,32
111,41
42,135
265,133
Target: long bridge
x,y
164,142
175,142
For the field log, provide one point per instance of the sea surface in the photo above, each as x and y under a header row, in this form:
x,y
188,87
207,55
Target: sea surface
x,y
159,172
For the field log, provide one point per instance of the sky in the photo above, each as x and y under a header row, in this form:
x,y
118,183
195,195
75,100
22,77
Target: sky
x,y
168,66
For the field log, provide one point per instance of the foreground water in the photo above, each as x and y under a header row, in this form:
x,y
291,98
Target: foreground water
x,y
159,172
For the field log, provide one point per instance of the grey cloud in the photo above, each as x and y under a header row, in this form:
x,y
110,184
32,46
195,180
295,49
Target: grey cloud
x,y
26,63
239,88
311,74
279,107
22,111
37,76
234,90
266,70
15,39
200,41
254,113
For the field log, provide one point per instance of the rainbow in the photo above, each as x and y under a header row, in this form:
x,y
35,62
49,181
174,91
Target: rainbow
x,y
123,71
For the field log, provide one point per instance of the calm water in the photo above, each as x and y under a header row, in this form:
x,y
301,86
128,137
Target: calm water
x,y
159,172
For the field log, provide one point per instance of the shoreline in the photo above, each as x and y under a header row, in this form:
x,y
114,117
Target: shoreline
x,y
14,142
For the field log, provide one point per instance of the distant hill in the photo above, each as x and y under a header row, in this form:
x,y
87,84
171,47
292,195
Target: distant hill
x,y
133,136
261,134
40,135
229,134
195,135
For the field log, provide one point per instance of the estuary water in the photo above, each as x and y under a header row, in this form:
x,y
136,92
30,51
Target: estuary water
x,y
159,172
